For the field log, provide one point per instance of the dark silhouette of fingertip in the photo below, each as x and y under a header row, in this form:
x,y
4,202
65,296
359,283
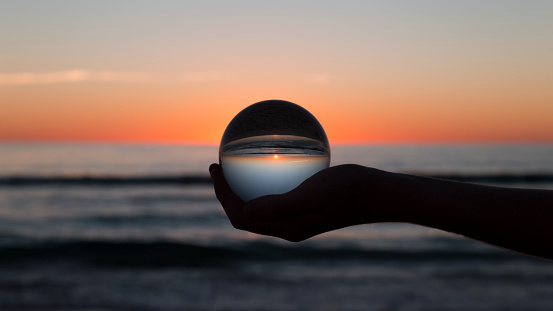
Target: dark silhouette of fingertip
x,y
213,168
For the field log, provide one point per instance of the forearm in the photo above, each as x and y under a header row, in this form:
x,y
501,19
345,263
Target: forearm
x,y
516,219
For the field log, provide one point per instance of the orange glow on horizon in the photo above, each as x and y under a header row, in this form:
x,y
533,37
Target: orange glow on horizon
x,y
164,114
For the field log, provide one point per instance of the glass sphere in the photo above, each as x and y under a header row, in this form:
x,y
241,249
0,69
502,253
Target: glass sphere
x,y
271,147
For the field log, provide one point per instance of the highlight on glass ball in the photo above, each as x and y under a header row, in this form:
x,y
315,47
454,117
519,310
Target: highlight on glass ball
x,y
271,147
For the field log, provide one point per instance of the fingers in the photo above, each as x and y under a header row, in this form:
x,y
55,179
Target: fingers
x,y
266,207
231,203
303,199
273,207
293,216
296,228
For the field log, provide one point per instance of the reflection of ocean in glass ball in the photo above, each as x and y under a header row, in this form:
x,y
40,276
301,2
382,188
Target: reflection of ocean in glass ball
x,y
271,147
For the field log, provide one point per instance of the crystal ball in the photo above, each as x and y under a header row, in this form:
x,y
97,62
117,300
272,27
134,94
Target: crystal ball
x,y
271,147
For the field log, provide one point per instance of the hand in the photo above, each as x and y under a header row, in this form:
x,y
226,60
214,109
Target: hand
x,y
345,195
331,199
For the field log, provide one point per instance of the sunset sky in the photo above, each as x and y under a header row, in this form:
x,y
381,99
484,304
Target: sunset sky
x,y
370,71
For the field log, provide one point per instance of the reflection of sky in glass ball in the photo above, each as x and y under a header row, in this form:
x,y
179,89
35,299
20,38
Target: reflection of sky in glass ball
x,y
271,147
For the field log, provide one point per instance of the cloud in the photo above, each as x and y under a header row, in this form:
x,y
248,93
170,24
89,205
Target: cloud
x,y
205,76
113,76
69,76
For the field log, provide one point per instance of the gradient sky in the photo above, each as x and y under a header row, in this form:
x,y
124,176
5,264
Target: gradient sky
x,y
370,71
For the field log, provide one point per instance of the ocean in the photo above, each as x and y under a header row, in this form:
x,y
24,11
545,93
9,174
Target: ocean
x,y
138,227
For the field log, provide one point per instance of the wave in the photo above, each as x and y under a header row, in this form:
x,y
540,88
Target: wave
x,y
101,180
164,254
500,178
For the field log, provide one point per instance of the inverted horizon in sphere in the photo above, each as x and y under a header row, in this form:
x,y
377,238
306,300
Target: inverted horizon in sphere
x,y
271,147
254,176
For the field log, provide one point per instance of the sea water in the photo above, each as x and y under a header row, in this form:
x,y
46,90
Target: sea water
x,y
138,227
271,164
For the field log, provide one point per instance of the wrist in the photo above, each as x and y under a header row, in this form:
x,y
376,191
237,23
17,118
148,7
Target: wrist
x,y
389,197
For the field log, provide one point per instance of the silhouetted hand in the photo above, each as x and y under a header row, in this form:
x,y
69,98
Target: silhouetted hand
x,y
346,195
331,199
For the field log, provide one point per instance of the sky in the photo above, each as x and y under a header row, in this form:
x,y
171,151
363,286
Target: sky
x,y
369,71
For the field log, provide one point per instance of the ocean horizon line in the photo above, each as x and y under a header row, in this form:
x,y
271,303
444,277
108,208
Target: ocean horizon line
x,y
332,143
